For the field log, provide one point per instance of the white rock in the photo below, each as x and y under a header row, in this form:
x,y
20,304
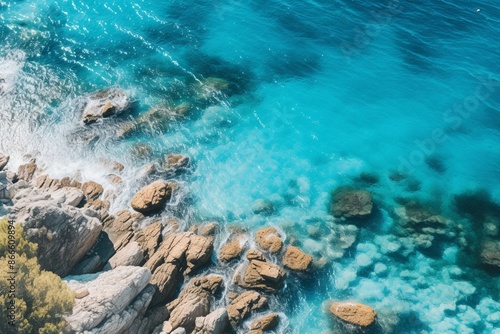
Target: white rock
x,y
110,293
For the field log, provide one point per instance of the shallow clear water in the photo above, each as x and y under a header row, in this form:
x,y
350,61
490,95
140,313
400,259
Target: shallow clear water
x,y
320,91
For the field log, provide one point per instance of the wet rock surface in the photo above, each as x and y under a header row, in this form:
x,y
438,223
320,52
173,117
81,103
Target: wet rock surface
x,y
103,104
153,196
354,313
295,259
269,239
243,305
260,274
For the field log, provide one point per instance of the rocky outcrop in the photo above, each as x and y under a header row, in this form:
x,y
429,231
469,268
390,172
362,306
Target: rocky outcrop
x,y
233,248
179,253
105,103
351,203
354,313
215,322
63,233
265,323
113,299
269,239
242,306
295,259
193,302
259,274
153,196
4,160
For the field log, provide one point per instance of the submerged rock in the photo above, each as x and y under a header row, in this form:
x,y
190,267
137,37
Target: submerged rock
x,y
490,253
354,313
263,207
260,274
242,306
104,103
112,299
351,203
295,259
269,239
153,196
176,162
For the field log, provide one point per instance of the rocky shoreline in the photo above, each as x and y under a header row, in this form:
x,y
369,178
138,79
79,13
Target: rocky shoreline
x,y
133,272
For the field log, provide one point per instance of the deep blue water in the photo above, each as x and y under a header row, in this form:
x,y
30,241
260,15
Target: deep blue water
x,y
319,91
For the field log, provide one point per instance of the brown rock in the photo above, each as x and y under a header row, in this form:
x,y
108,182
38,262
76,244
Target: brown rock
x,y
120,229
351,203
92,190
354,313
27,171
254,254
149,238
179,253
269,239
260,274
193,302
265,323
152,196
296,259
241,307
4,160
207,229
233,248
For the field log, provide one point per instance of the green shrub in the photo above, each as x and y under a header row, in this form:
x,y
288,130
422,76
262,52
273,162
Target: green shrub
x,y
41,298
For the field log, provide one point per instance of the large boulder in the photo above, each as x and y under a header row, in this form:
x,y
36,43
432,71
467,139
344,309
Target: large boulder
x,y
63,233
153,196
351,203
295,259
4,160
260,274
105,103
242,306
108,302
179,253
354,313
130,255
269,239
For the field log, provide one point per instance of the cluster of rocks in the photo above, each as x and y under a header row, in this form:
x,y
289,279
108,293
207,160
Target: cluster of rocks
x,y
127,278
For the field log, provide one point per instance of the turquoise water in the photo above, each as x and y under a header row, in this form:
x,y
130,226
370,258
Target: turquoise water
x,y
319,91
